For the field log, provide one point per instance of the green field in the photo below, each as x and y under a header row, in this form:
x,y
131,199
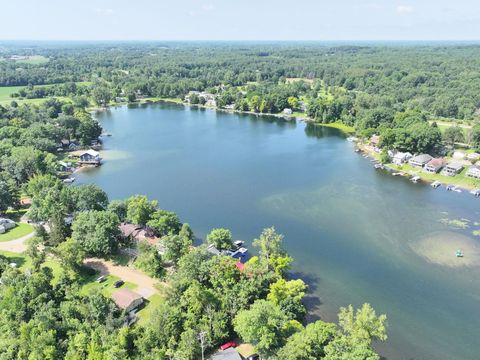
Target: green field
x,y
34,60
340,126
20,230
106,287
150,305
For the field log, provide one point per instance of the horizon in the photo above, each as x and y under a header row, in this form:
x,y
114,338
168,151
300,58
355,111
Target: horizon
x,y
249,20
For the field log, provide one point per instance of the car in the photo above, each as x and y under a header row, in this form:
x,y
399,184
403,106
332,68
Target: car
x,y
118,283
253,357
101,279
228,345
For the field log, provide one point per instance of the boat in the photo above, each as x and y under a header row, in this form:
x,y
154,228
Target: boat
x,y
238,243
436,184
475,192
450,187
415,179
68,180
378,166
459,253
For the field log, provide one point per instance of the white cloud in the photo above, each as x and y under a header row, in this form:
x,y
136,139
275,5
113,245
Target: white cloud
x,y
405,9
208,7
103,11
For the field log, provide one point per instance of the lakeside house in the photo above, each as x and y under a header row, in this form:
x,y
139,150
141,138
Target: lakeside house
x,y
434,165
473,171
127,299
287,111
473,157
90,157
137,233
452,168
400,158
420,160
228,354
239,252
6,224
73,146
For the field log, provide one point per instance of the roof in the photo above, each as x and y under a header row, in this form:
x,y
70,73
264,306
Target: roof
x,y
455,165
375,139
124,297
436,162
213,250
90,152
128,229
474,168
229,354
422,158
240,266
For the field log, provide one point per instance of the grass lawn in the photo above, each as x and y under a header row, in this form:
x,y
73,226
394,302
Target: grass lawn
x,y
18,259
34,60
340,126
106,287
18,231
150,305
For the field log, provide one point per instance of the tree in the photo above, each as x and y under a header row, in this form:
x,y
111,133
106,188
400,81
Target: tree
x,y
363,325
475,137
288,295
88,197
7,197
176,246
139,209
149,260
453,134
164,222
309,344
265,326
270,246
96,231
119,207
221,238
71,255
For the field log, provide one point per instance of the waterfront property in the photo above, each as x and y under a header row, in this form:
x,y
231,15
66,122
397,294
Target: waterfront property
x,y
473,157
420,160
435,165
400,158
228,354
473,171
452,168
137,233
90,157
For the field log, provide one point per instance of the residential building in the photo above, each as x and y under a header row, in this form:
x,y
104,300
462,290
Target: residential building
x,y
435,165
452,168
90,157
473,171
420,160
229,354
127,299
400,158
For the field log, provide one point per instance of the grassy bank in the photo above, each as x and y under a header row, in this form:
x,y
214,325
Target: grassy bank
x,y
340,126
17,232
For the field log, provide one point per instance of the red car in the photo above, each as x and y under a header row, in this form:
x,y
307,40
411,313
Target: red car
x,y
228,345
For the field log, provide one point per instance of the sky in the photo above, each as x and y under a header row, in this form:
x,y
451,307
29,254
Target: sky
x,y
240,20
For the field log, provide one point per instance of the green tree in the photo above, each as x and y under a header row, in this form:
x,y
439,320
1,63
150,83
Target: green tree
x,y
221,238
270,248
140,209
88,197
363,325
96,231
175,246
288,295
454,134
475,137
164,222
71,255
149,260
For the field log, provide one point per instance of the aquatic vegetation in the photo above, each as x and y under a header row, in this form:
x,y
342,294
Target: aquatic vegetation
x,y
476,232
456,223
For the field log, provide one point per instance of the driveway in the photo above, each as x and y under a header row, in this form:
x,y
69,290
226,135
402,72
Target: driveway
x,y
146,285
17,245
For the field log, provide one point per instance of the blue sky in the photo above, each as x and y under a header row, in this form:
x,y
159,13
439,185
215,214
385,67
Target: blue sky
x,y
240,20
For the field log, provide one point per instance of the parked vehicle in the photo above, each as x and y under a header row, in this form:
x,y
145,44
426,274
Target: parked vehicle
x,y
228,345
101,279
118,283
254,357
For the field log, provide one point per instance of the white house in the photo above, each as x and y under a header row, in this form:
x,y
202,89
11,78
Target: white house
x,y
400,157
90,157
473,171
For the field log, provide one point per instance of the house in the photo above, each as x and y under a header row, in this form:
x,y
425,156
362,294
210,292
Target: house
x,y
400,157
63,166
473,157
73,146
137,233
435,165
473,171
127,299
6,224
375,140
452,168
287,111
229,354
65,143
420,160
90,157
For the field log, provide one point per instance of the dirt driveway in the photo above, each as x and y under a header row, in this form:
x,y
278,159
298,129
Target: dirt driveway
x,y
17,245
146,285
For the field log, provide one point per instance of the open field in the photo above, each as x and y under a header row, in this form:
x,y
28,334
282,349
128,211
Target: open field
x,y
340,126
34,60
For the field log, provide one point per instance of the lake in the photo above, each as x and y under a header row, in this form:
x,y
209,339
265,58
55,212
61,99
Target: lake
x,y
357,234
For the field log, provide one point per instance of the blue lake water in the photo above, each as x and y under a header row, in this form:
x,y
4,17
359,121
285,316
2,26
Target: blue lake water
x,y
357,234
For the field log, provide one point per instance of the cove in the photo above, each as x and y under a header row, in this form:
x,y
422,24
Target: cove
x,y
357,234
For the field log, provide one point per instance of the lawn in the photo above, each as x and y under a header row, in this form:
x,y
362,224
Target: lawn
x,y
18,259
340,126
18,231
34,60
147,311
106,287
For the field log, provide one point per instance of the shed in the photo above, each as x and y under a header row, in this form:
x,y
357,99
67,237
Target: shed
x,y
420,160
127,299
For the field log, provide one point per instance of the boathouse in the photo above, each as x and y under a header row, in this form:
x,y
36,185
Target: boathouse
x,y
91,157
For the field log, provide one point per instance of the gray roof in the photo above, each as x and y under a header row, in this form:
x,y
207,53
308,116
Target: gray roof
x,y
455,165
422,158
229,354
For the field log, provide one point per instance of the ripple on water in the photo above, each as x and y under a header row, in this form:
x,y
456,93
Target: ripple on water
x,y
440,248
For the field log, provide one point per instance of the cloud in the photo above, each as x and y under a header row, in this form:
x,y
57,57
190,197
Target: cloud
x,y
208,7
405,9
103,11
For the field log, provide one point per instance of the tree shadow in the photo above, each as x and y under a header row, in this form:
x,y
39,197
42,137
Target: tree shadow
x,y
311,300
